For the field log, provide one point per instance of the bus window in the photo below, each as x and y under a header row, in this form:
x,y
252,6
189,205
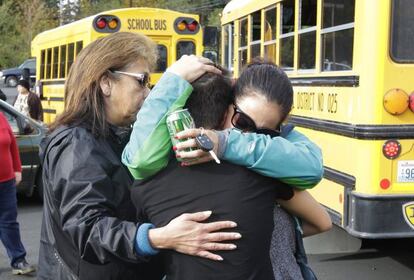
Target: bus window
x,y
162,59
42,64
71,50
287,37
402,31
288,16
62,73
228,43
185,47
55,62
307,34
270,34
79,47
243,43
49,63
337,12
337,35
256,34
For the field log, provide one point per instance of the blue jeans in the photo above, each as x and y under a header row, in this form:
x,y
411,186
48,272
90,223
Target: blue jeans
x,y
9,227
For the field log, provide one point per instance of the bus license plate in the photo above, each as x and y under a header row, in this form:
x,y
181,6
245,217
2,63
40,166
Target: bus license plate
x,y
405,171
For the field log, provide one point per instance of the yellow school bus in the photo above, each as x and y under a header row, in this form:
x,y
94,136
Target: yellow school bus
x,y
175,33
351,63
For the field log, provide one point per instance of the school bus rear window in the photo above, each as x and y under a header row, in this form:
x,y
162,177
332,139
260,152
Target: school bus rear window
x,y
402,36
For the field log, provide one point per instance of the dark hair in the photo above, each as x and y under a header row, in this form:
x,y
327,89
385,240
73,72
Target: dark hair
x,y
267,79
212,94
24,83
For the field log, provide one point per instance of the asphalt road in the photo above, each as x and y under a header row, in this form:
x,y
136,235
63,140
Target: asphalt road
x,y
376,260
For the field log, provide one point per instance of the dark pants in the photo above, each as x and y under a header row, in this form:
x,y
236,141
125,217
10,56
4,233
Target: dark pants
x,y
9,227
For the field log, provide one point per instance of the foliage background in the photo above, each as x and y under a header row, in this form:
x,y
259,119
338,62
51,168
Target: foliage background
x,y
22,20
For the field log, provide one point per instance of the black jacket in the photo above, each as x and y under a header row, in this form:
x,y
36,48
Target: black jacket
x,y
88,229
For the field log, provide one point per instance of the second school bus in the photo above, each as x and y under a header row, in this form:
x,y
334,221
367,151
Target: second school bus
x,y
175,33
351,63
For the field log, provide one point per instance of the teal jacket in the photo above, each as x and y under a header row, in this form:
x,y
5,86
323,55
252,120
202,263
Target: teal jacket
x,y
293,159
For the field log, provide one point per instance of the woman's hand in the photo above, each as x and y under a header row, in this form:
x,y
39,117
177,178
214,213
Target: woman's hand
x,y
186,234
18,177
197,156
192,67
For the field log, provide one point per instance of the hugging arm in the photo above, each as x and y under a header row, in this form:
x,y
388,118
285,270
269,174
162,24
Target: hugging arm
x,y
315,218
148,149
293,159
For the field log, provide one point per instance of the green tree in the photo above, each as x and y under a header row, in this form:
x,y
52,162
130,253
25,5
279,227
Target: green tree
x,y
19,23
10,39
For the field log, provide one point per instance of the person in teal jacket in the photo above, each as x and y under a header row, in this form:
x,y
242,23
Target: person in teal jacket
x,y
293,159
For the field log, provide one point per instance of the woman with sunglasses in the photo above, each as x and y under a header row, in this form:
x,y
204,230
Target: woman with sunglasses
x,y
263,98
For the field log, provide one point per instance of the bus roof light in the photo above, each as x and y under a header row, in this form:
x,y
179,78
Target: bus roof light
x,y
396,101
192,26
385,184
411,102
113,23
391,149
182,25
101,23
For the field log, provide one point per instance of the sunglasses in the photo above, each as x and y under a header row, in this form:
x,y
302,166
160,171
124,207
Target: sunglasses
x,y
242,121
143,79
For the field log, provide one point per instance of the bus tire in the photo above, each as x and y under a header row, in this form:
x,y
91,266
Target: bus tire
x,y
11,81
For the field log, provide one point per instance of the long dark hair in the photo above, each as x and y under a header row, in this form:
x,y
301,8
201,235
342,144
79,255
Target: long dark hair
x,y
267,79
84,101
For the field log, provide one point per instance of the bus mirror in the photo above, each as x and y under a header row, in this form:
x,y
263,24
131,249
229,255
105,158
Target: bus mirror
x,y
212,55
210,38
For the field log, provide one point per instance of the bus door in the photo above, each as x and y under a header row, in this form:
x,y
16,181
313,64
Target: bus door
x,y
164,57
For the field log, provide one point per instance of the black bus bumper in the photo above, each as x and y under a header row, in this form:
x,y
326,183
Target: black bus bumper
x,y
376,217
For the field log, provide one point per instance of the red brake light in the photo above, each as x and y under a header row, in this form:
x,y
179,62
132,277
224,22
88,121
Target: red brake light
x,y
385,184
411,102
391,149
192,26
101,23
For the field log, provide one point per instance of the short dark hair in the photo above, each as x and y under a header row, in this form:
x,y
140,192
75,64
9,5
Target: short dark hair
x,y
24,83
267,79
212,94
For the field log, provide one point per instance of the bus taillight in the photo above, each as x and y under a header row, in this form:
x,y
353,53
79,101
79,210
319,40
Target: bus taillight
x,y
385,184
391,149
101,23
192,26
113,23
396,101
411,102
184,25
106,23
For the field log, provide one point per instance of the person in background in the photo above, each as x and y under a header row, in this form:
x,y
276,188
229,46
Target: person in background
x,y
27,102
10,176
